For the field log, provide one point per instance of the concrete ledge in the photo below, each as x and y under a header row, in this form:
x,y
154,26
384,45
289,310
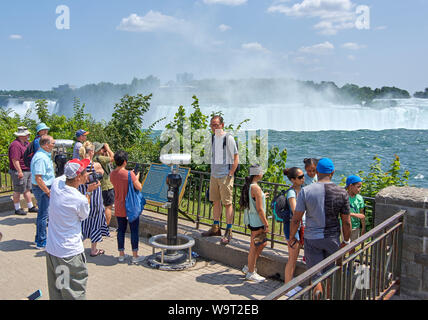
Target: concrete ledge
x,y
271,262
6,203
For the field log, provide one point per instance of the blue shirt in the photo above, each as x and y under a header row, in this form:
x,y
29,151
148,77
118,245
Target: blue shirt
x,y
36,144
41,164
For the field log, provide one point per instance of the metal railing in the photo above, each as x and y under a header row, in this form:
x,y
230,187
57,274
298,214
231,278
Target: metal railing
x,y
5,180
195,203
366,269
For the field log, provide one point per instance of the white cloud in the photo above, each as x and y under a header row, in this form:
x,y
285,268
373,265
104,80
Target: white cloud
x,y
305,61
334,15
353,46
15,37
224,27
381,28
321,48
351,57
153,21
226,2
254,46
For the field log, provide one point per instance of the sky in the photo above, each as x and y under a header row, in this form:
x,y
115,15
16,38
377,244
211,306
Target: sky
x,y
369,43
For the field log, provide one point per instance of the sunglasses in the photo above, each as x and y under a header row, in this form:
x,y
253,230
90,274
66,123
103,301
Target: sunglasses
x,y
300,177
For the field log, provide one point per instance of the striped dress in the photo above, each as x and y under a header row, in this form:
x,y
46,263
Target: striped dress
x,y
95,226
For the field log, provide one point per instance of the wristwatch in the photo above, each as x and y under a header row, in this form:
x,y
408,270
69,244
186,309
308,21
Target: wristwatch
x,y
347,242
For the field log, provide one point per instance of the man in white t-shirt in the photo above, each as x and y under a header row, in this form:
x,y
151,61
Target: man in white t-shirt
x,y
65,259
224,162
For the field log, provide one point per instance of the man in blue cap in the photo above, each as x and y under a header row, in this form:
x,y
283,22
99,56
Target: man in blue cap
x,y
81,138
41,130
323,202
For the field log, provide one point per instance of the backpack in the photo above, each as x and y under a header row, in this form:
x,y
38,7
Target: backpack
x,y
28,154
134,201
280,208
224,146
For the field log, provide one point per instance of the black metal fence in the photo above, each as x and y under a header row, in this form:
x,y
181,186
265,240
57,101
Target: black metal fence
x,y
196,204
368,268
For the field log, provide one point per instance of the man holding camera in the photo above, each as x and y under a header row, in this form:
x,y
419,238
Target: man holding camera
x,y
104,156
65,259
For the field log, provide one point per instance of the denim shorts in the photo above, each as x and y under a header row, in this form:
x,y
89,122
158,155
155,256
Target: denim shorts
x,y
287,231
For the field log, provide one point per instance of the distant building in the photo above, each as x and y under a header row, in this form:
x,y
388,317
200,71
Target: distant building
x,y
183,78
63,88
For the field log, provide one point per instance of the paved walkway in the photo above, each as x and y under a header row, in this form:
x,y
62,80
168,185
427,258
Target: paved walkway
x,y
23,271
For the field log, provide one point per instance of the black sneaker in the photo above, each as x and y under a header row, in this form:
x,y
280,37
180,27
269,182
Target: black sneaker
x,y
33,209
20,212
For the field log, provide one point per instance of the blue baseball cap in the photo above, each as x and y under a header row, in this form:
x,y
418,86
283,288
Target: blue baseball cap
x,y
325,165
352,179
41,126
81,132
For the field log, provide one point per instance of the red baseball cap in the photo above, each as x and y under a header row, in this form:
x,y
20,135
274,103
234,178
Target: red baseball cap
x,y
74,167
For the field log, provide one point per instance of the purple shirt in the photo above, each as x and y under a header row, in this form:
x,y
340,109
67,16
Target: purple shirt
x,y
16,152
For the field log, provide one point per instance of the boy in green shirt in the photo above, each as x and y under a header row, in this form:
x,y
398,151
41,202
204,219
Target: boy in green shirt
x,y
356,201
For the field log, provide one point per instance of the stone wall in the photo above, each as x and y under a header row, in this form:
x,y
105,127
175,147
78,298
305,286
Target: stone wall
x,y
414,264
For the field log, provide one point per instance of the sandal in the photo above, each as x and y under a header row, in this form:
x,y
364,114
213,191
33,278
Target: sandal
x,y
99,252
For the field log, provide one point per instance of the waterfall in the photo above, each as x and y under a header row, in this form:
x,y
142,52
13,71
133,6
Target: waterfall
x,y
21,107
379,115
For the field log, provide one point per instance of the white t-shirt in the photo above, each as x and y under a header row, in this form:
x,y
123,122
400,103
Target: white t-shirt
x,y
222,158
67,209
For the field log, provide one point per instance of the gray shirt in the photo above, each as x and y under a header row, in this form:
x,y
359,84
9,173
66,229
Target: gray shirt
x,y
323,203
76,148
222,158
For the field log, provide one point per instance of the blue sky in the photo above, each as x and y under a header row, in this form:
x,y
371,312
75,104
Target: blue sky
x,y
115,41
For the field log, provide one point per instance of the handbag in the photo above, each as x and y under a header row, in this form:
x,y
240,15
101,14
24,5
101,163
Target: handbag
x,y
134,201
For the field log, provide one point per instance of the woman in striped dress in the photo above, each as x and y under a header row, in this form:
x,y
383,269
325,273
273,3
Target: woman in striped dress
x,y
95,226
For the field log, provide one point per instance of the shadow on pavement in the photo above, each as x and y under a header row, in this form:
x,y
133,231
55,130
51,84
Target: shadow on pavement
x,y
13,221
15,245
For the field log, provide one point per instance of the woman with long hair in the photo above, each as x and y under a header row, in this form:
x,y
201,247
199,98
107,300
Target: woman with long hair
x,y
297,178
253,200
95,226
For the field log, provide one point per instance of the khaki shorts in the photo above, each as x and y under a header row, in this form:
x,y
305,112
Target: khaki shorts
x,y
221,189
21,185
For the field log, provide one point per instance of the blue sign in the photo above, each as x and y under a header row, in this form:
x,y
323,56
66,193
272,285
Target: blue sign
x,y
155,187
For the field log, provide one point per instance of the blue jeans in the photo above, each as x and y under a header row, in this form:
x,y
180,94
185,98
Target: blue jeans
x,y
122,223
42,215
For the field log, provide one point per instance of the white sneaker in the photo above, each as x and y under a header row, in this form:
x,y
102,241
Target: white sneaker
x,y
138,259
292,292
123,258
253,276
245,269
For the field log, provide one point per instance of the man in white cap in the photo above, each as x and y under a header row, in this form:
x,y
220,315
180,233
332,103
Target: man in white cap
x,y
19,172
65,259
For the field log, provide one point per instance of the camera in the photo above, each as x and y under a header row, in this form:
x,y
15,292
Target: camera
x,y
94,177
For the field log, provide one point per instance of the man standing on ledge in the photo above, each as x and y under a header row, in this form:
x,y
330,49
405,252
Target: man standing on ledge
x,y
224,162
81,138
42,177
324,202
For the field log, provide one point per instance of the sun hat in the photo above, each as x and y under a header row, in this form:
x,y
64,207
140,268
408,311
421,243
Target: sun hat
x,y
352,179
256,170
325,165
41,126
81,132
74,167
22,132
98,146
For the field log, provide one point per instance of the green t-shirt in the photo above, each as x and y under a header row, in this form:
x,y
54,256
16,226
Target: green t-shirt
x,y
105,163
356,204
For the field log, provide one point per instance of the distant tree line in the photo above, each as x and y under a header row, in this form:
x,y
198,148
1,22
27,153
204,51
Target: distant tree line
x,y
99,98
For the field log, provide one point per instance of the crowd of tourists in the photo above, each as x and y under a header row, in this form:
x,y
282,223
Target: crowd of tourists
x,y
78,205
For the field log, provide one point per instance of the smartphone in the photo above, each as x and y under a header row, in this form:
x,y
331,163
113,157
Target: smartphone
x,y
137,168
34,296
